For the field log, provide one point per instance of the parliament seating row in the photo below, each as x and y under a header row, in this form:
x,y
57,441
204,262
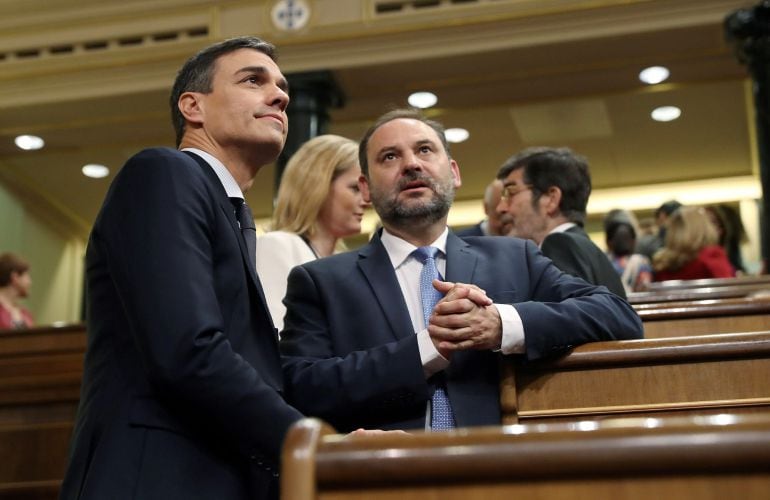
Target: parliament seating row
x,y
695,374
40,372
715,288
700,317
684,458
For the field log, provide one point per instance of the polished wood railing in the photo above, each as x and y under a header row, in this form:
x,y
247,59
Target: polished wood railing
x,y
685,458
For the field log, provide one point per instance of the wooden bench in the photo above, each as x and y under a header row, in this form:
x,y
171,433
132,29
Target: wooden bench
x,y
40,375
722,292
701,317
681,458
650,377
670,285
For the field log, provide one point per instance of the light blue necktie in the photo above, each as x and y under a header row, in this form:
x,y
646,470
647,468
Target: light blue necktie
x,y
442,417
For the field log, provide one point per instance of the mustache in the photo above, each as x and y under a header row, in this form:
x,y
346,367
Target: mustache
x,y
414,176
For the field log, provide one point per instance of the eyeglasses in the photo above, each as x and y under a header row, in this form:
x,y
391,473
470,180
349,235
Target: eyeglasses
x,y
511,190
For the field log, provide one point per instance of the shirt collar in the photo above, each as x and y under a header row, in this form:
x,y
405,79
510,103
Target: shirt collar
x,y
232,188
562,227
399,250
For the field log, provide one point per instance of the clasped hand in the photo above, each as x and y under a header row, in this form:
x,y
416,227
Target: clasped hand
x,y
464,319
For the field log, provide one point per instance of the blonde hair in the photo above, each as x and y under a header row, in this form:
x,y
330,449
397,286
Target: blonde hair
x,y
307,180
688,231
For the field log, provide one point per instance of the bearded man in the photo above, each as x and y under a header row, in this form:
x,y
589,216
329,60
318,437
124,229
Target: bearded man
x,y
405,333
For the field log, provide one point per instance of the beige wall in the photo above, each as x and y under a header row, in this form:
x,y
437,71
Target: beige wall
x,y
56,261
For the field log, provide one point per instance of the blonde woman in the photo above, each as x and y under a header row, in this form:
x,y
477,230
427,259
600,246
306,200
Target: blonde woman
x,y
692,249
318,204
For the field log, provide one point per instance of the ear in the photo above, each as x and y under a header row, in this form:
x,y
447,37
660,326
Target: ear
x,y
455,173
191,106
552,199
363,186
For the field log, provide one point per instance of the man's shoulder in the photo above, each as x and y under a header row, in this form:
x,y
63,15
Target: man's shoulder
x,y
336,262
159,158
492,246
161,152
474,230
568,238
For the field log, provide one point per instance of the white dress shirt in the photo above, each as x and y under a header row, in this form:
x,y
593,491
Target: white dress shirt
x,y
408,269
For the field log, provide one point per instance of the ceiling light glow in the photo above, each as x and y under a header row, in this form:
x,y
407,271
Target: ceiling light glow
x,y
666,113
422,100
95,171
456,135
654,75
29,142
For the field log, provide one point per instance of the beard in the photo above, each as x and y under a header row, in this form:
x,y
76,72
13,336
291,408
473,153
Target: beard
x,y
414,212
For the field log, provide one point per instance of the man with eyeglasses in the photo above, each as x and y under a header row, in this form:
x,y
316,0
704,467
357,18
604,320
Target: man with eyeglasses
x,y
545,192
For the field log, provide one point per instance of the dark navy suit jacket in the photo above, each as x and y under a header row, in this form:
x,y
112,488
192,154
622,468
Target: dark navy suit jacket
x,y
474,230
350,353
182,386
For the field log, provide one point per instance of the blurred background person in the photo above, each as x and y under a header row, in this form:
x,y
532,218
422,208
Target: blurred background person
x,y
635,269
318,204
731,233
496,223
15,282
691,250
545,192
648,245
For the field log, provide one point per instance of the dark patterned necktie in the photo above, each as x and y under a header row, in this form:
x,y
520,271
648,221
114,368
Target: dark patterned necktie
x,y
442,416
248,229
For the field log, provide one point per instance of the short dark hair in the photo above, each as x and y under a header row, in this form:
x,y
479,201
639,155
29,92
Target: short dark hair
x,y
560,167
406,113
668,208
11,263
620,237
197,73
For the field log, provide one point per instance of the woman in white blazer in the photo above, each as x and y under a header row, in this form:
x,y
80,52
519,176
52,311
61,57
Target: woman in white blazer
x,y
318,204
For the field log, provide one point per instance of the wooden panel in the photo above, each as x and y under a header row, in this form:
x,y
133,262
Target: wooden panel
x,y
704,326
42,339
700,317
723,292
709,283
34,452
696,374
40,373
704,487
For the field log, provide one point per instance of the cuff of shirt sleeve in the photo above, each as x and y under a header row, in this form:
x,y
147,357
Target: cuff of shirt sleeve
x,y
513,330
432,361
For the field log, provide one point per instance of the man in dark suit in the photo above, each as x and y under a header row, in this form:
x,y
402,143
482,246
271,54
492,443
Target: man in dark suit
x,y
357,348
182,385
496,223
545,191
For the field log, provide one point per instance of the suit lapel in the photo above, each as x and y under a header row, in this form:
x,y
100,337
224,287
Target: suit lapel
x,y
375,264
229,211
460,260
